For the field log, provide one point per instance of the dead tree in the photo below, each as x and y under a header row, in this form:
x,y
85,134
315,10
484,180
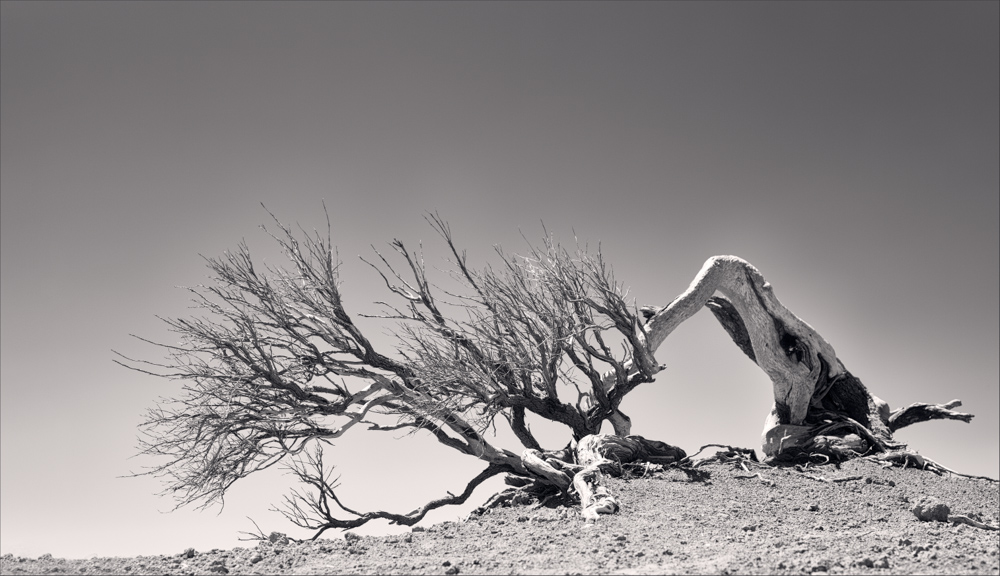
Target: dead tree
x,y
276,366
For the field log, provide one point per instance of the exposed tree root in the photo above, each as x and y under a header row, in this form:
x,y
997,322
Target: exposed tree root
x,y
910,459
961,519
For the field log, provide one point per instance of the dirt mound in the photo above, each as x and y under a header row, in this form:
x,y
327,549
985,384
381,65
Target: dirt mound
x,y
857,518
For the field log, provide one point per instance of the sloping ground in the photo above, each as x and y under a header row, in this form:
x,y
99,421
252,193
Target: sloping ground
x,y
782,522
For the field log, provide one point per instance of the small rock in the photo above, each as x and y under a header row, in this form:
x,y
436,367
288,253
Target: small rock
x,y
351,537
883,562
257,558
814,507
452,570
640,554
278,538
932,509
868,563
418,529
522,518
668,552
407,538
891,483
620,538
189,553
446,563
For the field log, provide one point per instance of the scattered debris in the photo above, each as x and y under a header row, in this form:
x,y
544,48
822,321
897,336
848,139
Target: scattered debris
x,y
962,519
929,509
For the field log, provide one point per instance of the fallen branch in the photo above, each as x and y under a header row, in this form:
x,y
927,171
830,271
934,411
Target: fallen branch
x,y
932,509
906,458
847,479
962,519
758,476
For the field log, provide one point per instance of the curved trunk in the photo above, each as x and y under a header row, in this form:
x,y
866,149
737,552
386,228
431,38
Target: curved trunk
x,y
791,353
819,406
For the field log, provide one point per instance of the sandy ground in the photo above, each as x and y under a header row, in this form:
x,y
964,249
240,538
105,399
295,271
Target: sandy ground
x,y
781,522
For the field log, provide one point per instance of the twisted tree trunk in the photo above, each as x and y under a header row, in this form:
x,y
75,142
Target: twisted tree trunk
x,y
819,406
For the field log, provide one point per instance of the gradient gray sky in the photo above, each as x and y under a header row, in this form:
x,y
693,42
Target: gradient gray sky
x,y
849,150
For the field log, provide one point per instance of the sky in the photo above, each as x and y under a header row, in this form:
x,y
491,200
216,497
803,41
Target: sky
x,y
850,151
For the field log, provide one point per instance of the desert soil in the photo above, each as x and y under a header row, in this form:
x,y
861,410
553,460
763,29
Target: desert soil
x,y
786,521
